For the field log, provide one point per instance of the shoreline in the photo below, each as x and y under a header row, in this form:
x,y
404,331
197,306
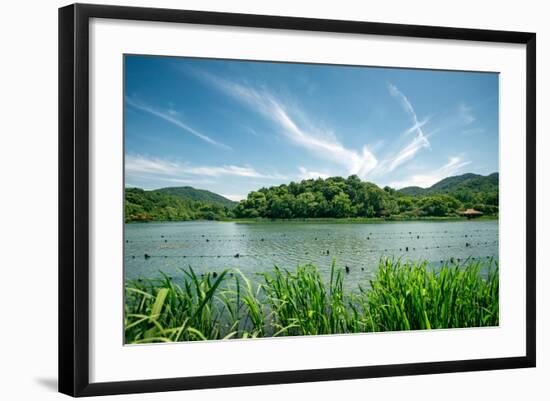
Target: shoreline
x,y
329,220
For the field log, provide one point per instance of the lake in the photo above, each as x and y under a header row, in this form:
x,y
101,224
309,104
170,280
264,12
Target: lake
x,y
209,246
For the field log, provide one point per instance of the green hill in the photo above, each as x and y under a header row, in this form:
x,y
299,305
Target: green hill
x,y
465,182
190,193
334,197
412,191
179,204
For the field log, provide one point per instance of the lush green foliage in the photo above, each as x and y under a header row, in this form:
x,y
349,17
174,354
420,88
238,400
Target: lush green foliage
x,y
408,296
472,190
339,197
143,205
190,193
284,303
334,197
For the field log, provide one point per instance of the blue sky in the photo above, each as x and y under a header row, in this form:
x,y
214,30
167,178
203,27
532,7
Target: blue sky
x,y
234,126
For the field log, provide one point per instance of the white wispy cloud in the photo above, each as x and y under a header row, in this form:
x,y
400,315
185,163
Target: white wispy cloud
x,y
171,116
319,142
177,171
297,128
419,142
408,152
405,103
136,164
417,127
466,114
306,174
234,197
217,171
452,167
152,181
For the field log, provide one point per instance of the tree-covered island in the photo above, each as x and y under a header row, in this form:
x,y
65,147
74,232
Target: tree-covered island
x,y
334,197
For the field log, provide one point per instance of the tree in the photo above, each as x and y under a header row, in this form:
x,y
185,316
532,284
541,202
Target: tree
x,y
405,204
341,205
306,205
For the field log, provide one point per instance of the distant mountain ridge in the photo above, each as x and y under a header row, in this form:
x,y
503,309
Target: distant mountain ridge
x,y
468,181
175,204
190,193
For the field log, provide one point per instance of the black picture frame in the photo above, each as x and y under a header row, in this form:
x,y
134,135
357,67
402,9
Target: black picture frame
x,y
74,198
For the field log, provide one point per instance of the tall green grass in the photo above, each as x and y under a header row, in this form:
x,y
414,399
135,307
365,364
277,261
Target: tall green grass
x,y
401,296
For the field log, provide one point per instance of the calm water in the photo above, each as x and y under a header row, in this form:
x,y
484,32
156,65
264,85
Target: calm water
x,y
213,246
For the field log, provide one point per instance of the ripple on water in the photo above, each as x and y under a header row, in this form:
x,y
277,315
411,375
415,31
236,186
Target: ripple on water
x,y
174,245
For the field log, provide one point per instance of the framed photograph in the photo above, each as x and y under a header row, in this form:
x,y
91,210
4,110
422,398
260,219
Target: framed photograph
x,y
251,199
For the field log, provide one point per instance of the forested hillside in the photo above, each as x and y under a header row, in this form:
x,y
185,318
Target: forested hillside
x,y
467,182
190,193
143,205
351,197
334,197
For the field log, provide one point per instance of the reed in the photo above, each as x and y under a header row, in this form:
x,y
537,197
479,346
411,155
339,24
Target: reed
x,y
401,296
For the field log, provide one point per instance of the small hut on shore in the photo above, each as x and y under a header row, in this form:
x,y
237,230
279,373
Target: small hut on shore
x,y
471,213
